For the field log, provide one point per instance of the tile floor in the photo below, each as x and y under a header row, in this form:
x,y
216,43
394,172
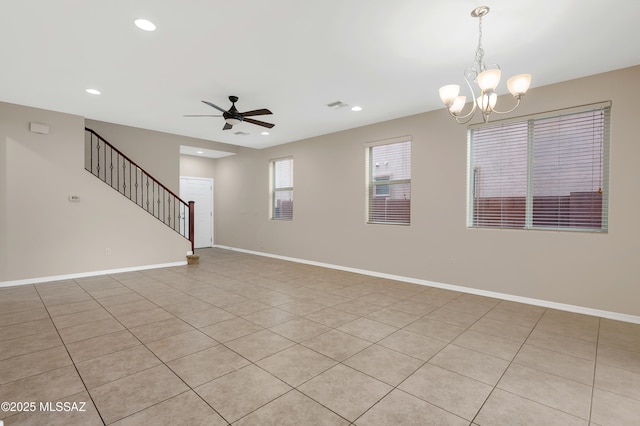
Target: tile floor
x,y
248,340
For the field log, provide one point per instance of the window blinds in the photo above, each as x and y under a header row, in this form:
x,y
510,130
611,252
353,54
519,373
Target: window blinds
x,y
389,183
546,172
282,189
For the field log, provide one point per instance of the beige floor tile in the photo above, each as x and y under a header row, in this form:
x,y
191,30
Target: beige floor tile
x,y
506,409
620,334
489,344
260,344
357,307
367,329
384,364
502,329
136,306
207,317
413,307
435,329
567,366
331,317
299,329
296,365
179,345
206,365
484,368
301,307
336,344
232,329
400,408
160,329
62,299
184,409
610,409
273,298
450,391
617,380
380,300
121,299
413,344
11,306
80,332
563,394
114,366
269,317
564,344
135,319
246,307
77,410
123,397
393,317
50,386
80,318
619,357
101,345
292,409
22,316
187,307
457,318
516,313
15,331
472,304
108,292
237,394
33,363
28,344
345,391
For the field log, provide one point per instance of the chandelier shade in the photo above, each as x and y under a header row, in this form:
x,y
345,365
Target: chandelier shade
x,y
486,78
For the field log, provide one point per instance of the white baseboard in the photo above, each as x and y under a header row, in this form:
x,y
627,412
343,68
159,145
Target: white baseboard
x,y
88,274
510,297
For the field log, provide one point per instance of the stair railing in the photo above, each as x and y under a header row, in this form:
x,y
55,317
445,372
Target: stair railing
x,y
111,166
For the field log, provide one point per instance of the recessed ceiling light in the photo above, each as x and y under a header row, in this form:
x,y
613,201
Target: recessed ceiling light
x,y
145,25
93,91
265,133
356,108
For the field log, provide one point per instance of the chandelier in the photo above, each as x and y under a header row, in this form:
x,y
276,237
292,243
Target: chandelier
x,y
487,78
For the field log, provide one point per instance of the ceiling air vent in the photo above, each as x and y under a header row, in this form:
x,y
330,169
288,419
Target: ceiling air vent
x,y
337,105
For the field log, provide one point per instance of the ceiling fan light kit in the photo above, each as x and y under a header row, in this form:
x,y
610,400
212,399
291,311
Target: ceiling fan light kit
x,y
233,117
487,78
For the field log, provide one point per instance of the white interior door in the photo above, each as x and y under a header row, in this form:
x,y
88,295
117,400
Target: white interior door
x,y
200,190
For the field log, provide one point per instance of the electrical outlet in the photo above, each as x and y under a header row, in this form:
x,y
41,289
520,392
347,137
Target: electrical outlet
x,y
107,252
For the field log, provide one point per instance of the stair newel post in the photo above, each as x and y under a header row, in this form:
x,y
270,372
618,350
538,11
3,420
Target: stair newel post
x,y
192,235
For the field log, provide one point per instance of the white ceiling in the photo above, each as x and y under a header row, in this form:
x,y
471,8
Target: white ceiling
x,y
291,56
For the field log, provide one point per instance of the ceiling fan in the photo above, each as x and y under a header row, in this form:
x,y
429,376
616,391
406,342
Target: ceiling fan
x,y
233,116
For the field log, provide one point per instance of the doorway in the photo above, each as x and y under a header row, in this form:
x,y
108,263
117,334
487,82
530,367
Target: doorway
x,y
200,190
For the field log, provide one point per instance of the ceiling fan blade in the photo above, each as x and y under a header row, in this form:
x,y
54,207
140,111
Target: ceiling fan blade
x,y
227,126
215,106
201,115
263,111
259,123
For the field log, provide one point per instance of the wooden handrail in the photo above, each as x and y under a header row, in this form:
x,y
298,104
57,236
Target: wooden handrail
x,y
190,204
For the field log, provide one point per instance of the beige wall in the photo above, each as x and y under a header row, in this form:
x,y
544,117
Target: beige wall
x,y
192,166
42,234
598,271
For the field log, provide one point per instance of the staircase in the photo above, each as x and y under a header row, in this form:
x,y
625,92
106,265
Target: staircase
x,y
115,169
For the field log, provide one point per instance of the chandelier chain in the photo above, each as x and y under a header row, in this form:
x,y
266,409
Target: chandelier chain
x,y
479,50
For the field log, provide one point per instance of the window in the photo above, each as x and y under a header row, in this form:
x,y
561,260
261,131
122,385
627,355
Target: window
x,y
389,182
282,189
549,171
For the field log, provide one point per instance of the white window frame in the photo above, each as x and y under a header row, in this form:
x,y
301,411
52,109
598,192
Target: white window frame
x,y
372,182
472,183
274,189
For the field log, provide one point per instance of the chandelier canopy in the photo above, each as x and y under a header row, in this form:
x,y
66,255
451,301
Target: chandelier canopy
x,y
487,79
